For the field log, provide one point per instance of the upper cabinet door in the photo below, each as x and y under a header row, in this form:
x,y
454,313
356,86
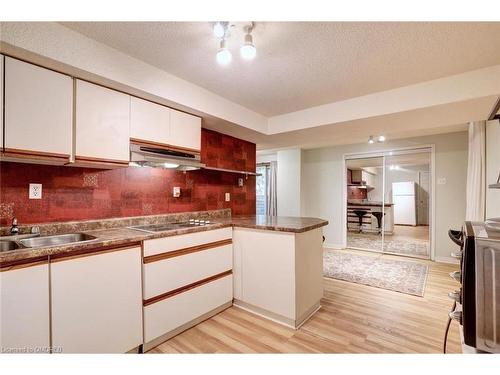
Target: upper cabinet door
x,y
102,126
149,122
185,130
38,111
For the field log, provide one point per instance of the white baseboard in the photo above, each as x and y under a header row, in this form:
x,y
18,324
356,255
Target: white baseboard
x,y
447,260
336,246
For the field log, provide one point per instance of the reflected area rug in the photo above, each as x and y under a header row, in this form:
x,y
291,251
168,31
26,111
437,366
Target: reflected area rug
x,y
398,275
411,247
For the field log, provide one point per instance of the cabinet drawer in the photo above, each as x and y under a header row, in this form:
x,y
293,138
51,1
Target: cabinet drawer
x,y
163,245
168,274
168,314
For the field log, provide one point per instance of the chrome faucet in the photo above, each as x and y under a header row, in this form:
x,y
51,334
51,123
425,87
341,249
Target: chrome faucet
x,y
14,229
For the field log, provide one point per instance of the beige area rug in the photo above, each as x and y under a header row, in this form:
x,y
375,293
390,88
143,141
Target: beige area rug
x,y
398,275
409,247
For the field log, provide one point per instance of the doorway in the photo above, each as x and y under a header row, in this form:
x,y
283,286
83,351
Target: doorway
x,y
388,202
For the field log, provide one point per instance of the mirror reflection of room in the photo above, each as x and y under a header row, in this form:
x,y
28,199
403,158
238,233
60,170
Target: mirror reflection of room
x,y
388,210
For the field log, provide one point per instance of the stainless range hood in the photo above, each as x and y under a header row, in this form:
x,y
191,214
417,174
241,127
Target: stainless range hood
x,y
150,156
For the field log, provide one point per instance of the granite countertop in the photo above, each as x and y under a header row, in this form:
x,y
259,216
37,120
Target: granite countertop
x,y
369,203
278,223
121,235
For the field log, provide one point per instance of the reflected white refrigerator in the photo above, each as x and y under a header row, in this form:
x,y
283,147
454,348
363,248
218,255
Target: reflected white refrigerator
x,y
405,203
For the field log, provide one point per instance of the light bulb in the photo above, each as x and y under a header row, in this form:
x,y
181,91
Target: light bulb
x,y
219,30
224,56
370,140
381,138
170,165
248,50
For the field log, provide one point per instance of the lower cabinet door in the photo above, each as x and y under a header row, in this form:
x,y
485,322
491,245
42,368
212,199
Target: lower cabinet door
x,y
24,310
97,302
173,312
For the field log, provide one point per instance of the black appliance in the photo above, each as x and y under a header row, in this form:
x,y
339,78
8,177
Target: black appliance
x,y
477,302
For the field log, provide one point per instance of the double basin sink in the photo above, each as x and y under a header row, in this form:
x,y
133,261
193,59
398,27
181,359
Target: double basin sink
x,y
35,240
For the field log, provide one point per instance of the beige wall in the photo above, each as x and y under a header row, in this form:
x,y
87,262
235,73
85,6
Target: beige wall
x,y
288,182
322,187
492,168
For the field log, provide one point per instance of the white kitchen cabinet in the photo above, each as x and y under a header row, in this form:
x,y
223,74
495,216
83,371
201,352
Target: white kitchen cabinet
x,y
261,257
360,175
201,265
180,311
97,302
173,243
149,122
38,113
186,278
185,130
24,309
102,126
278,274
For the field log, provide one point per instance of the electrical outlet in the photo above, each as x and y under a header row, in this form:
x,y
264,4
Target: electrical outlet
x,y
441,181
35,191
240,182
177,192
228,197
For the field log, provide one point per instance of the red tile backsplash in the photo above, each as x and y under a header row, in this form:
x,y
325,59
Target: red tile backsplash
x,y
222,151
72,193
354,192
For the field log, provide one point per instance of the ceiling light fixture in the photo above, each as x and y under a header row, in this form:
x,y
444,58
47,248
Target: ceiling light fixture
x,y
224,56
248,50
370,140
220,29
381,138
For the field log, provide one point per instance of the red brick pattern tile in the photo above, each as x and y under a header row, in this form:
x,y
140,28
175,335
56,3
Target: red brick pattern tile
x,y
71,193
222,151
354,192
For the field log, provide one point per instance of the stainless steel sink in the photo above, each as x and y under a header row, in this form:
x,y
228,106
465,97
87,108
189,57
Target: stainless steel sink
x,y
9,245
61,239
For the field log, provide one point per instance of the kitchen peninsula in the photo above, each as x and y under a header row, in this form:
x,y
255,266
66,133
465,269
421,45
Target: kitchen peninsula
x,y
269,265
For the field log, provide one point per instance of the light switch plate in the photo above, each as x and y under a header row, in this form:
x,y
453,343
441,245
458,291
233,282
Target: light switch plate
x,y
177,192
228,197
35,191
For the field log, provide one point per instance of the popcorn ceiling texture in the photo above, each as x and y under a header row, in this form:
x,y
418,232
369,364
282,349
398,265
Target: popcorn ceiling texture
x,y
71,193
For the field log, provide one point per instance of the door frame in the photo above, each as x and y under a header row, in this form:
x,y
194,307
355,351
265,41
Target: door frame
x,y
383,152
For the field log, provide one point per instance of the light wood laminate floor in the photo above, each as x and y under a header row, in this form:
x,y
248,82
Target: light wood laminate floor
x,y
408,232
354,318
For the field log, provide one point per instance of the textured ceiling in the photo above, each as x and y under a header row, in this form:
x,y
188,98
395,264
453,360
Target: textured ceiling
x,y
304,64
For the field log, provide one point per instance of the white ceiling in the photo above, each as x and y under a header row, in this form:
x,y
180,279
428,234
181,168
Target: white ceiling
x,y
304,64
426,121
